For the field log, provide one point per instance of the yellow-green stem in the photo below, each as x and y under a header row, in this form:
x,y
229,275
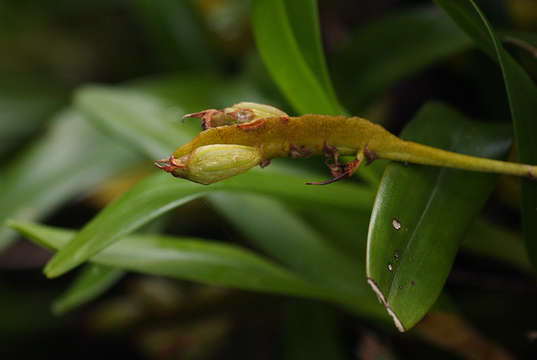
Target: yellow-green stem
x,y
412,152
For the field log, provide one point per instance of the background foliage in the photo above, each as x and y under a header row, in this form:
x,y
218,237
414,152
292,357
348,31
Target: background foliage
x,y
262,266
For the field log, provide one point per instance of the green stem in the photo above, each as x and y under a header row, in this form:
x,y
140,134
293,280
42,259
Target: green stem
x,y
412,152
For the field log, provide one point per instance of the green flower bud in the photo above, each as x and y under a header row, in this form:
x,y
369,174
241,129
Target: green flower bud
x,y
211,163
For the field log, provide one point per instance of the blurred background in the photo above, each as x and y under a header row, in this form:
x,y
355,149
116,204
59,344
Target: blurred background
x,y
51,48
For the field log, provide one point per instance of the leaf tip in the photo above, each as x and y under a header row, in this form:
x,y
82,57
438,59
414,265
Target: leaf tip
x,y
396,321
55,268
11,223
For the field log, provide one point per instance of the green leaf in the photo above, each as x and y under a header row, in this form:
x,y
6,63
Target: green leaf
x,y
65,163
492,241
146,114
25,106
384,52
92,282
153,118
185,258
287,37
279,232
521,92
303,17
161,192
421,213
177,33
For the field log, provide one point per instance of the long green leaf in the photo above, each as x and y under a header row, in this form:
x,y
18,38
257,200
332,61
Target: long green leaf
x,y
272,227
185,258
65,163
386,51
303,16
92,282
522,95
160,193
304,82
421,213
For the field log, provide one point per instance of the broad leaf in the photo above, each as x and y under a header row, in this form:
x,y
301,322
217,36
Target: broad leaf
x,y
65,163
421,213
289,44
521,92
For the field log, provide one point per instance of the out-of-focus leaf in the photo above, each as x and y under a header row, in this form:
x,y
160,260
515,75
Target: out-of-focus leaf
x,y
71,158
521,92
303,17
177,33
311,332
421,213
272,227
92,282
346,230
146,114
523,39
395,47
23,110
185,258
161,192
289,43
489,240
157,120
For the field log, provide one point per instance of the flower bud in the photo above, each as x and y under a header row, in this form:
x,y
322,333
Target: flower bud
x,y
240,113
211,163
259,111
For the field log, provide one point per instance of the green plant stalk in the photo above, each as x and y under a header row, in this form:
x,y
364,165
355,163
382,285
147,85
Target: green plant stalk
x,y
247,140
